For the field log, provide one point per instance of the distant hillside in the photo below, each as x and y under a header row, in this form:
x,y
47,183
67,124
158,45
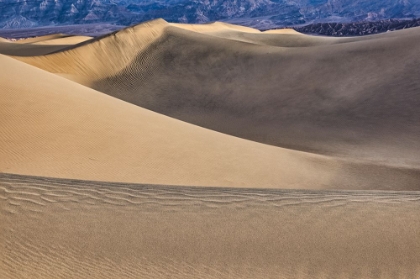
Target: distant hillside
x,y
357,28
262,14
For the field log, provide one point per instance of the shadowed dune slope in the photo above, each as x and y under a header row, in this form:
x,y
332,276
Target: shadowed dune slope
x,y
54,127
55,228
11,48
357,98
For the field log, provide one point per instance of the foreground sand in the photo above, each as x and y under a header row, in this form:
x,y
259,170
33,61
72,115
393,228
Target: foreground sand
x,y
53,228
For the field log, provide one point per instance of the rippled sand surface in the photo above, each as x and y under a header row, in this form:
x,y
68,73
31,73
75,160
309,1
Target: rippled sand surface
x,y
58,228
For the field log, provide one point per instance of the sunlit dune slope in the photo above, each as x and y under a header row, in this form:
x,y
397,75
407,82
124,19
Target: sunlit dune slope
x,y
283,31
356,98
57,128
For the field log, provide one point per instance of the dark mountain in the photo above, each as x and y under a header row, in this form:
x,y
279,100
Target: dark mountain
x,y
357,28
261,14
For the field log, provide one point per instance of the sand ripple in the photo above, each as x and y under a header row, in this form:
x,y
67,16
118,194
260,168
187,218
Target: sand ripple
x,y
58,228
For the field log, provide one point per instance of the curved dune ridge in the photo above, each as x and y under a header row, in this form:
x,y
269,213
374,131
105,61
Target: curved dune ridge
x,y
57,228
343,97
58,128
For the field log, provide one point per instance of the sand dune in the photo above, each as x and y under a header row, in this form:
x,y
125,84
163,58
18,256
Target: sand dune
x,y
345,99
89,139
58,128
54,228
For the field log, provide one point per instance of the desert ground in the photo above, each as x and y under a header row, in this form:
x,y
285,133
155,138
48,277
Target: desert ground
x,y
210,151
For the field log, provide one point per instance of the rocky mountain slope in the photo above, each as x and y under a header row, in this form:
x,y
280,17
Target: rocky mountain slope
x,y
358,28
262,14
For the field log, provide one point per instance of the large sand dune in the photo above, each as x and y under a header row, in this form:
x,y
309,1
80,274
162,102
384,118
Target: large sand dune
x,y
347,98
58,128
93,128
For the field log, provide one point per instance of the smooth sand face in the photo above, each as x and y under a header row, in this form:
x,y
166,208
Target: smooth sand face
x,y
350,104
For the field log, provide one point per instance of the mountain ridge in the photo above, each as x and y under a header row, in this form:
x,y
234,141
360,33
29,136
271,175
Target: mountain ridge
x,y
261,14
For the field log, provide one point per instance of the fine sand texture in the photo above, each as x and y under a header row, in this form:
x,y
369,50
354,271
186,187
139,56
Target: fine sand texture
x,y
55,228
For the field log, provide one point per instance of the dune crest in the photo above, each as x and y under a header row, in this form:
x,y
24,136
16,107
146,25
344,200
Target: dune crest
x,y
126,44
